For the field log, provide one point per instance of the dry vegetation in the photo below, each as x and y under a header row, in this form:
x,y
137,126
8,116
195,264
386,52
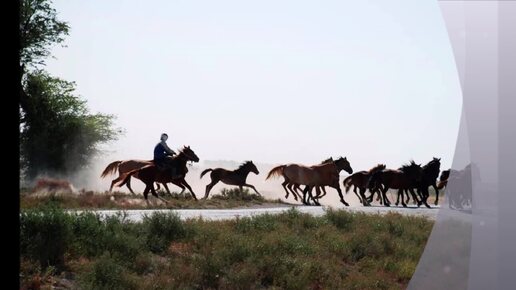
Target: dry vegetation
x,y
117,200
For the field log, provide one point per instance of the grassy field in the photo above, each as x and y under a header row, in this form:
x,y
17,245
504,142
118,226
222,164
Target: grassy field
x,y
340,250
89,200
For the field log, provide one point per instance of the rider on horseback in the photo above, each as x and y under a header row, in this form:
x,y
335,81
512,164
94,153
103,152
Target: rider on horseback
x,y
161,153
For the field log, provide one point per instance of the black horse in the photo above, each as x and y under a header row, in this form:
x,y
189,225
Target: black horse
x,y
236,177
405,178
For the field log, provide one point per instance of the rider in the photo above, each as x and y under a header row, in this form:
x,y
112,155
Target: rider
x,y
161,151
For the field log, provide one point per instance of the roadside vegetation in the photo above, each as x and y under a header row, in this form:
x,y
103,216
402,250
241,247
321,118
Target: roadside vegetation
x,y
292,250
226,198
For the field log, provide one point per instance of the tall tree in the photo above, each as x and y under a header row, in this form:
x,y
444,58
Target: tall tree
x,y
58,134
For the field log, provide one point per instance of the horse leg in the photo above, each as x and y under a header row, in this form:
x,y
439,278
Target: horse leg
x,y
364,199
297,190
324,191
129,186
379,196
252,186
337,187
312,197
425,197
209,187
400,193
183,182
166,188
289,187
305,191
436,194
284,184
146,193
179,183
411,190
355,191
153,191
317,191
398,199
386,201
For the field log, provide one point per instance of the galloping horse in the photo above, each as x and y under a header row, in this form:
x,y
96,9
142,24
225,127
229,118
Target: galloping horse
x,y
326,174
359,180
405,178
287,184
236,177
150,173
129,165
429,178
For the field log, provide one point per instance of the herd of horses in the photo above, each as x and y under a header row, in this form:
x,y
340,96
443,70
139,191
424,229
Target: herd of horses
x,y
410,178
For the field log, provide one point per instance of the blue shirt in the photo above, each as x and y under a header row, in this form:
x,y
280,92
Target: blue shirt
x,y
159,152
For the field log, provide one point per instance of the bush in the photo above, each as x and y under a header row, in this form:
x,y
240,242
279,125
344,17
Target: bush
x,y
107,273
45,235
161,229
236,194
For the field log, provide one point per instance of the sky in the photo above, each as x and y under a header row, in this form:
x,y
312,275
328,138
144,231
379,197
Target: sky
x,y
270,81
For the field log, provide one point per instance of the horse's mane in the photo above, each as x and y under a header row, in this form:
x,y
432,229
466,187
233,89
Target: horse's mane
x,y
434,162
327,160
377,168
408,166
244,164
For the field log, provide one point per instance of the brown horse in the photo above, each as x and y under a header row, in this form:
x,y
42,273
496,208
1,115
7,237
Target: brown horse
x,y
296,186
359,180
235,177
405,178
129,165
326,174
151,173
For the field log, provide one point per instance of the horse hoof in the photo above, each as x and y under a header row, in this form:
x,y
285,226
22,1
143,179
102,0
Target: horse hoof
x,y
404,205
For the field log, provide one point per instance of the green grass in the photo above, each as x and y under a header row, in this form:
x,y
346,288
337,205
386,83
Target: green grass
x,y
291,250
227,198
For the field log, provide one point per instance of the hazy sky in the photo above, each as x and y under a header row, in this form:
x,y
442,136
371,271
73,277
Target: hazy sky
x,y
271,81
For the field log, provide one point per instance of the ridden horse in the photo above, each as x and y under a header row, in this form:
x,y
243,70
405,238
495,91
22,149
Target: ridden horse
x,y
326,174
151,173
124,166
235,177
359,180
405,178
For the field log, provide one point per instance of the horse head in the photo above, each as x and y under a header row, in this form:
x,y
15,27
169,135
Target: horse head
x,y
343,164
249,165
189,154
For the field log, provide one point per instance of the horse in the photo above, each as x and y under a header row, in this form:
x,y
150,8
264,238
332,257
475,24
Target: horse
x,y
326,174
125,166
287,184
459,185
151,173
359,180
405,178
235,177
443,181
428,178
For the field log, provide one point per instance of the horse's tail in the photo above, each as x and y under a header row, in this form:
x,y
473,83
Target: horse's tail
x,y
205,171
276,171
110,169
347,183
125,177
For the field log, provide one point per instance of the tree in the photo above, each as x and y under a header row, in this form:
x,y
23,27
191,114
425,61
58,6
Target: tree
x,y
58,134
